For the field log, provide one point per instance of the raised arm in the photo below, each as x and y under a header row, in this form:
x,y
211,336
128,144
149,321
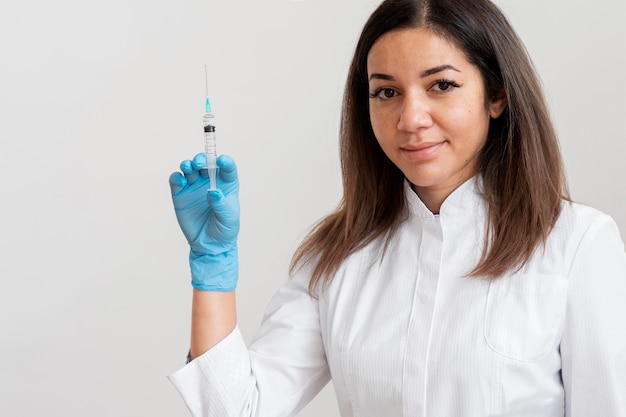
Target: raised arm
x,y
209,220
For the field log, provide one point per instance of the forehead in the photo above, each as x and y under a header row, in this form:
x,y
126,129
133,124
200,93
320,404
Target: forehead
x,y
414,46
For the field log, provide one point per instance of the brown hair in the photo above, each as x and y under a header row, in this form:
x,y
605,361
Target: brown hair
x,y
520,164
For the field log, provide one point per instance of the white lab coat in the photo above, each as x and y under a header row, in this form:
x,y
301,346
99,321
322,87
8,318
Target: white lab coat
x,y
407,334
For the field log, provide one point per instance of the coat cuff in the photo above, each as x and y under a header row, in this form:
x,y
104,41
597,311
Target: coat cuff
x,y
216,383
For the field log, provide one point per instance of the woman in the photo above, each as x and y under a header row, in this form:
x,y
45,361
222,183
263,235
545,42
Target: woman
x,y
459,280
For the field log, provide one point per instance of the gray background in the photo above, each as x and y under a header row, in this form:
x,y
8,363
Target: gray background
x,y
99,102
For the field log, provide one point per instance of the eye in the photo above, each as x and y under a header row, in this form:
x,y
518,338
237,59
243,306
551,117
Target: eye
x,y
384,93
444,85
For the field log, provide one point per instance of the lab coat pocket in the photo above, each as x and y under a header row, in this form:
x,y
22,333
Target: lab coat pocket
x,y
524,315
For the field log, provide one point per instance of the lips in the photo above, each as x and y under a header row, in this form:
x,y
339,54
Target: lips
x,y
421,151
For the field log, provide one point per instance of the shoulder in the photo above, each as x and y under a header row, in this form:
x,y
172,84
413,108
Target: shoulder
x,y
576,221
585,235
582,234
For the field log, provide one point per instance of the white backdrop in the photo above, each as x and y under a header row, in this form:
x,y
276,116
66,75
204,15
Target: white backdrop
x,y
99,102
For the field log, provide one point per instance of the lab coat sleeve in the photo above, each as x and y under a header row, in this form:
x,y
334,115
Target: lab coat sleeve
x,y
593,347
279,373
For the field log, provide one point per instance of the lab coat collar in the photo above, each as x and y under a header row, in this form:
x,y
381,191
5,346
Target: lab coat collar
x,y
463,201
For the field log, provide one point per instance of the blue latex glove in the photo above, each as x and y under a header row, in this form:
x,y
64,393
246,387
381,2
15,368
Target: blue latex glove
x,y
209,220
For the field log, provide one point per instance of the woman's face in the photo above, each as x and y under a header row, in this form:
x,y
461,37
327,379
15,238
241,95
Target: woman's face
x,y
428,110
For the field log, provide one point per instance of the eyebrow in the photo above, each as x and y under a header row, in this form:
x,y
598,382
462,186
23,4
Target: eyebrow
x,y
423,74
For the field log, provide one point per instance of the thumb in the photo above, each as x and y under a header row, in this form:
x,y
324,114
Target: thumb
x,y
224,212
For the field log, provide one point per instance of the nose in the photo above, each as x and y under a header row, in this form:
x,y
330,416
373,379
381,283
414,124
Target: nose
x,y
414,114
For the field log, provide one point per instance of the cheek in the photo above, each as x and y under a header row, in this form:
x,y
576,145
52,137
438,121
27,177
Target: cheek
x,y
470,121
374,120
382,132
382,124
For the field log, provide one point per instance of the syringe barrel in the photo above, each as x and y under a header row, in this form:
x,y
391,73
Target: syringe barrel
x,y
210,147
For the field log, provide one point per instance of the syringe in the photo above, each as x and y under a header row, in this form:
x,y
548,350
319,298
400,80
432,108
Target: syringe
x,y
209,140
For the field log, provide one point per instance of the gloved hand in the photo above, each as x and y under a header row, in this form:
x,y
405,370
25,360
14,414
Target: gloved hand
x,y
209,220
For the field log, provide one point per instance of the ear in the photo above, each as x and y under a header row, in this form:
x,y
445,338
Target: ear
x,y
497,104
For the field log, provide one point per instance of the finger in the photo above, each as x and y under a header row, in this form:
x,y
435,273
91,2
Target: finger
x,y
190,172
228,168
200,163
177,182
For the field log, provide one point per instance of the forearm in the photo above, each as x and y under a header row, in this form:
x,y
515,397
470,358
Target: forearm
x,y
213,317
